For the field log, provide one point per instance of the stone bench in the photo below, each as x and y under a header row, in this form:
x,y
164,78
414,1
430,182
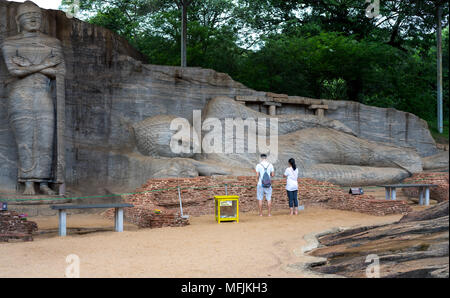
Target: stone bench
x,y
118,214
391,193
319,110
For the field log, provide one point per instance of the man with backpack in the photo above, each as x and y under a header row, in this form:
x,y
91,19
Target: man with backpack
x,y
264,172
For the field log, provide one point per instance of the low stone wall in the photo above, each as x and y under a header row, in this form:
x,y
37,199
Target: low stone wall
x,y
443,147
146,217
369,205
12,227
198,199
439,193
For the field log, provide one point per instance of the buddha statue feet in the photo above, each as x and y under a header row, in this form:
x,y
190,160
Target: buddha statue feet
x,y
29,189
46,190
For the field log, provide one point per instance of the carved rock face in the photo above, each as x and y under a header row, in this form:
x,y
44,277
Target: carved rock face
x,y
108,86
33,60
323,149
30,22
154,137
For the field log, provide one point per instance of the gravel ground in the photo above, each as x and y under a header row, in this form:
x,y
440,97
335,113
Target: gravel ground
x,y
255,247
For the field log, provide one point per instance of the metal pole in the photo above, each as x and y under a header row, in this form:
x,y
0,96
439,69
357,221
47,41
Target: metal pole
x,y
439,70
226,189
427,196
62,223
184,5
181,205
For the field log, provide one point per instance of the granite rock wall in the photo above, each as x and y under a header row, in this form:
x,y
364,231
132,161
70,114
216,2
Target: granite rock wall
x,y
109,88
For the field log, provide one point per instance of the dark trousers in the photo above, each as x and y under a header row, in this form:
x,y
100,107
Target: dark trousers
x,y
293,201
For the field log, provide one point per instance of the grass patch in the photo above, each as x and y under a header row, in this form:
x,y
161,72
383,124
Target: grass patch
x,y
441,138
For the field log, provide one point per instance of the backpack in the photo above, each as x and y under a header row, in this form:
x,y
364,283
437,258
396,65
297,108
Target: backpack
x,y
266,183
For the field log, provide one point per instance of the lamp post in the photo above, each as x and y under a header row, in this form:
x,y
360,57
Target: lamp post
x,y
183,5
439,69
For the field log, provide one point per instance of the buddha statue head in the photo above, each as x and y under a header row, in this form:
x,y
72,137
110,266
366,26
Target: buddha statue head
x,y
29,17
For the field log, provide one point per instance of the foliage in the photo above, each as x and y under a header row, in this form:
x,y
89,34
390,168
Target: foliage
x,y
315,48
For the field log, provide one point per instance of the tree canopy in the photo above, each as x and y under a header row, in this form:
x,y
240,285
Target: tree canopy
x,y
317,48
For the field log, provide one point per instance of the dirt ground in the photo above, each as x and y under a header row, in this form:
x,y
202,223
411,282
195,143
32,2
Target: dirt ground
x,y
255,247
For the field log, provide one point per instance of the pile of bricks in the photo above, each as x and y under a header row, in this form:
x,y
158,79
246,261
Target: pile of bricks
x,y
198,198
13,227
146,217
368,204
439,193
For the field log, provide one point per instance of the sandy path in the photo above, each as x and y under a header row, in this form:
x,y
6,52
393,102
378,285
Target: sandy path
x,y
255,247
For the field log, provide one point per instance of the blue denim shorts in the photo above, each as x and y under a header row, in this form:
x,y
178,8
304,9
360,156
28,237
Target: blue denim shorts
x,y
293,200
261,191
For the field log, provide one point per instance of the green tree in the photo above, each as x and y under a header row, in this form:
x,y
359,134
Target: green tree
x,y
316,48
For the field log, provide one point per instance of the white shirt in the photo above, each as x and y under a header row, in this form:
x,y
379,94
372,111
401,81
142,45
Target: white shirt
x,y
292,179
260,169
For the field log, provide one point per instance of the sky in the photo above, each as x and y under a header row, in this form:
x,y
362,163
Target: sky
x,y
48,4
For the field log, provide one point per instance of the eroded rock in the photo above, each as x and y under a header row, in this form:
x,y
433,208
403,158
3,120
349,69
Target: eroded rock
x,y
416,246
436,162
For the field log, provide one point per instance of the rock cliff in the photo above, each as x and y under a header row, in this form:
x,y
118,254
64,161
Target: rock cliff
x,y
110,88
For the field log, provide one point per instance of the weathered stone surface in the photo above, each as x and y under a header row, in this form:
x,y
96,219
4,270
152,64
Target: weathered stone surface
x,y
436,211
252,99
226,108
109,88
323,149
436,162
34,62
315,107
416,246
154,136
276,95
315,150
298,100
88,51
384,125
371,123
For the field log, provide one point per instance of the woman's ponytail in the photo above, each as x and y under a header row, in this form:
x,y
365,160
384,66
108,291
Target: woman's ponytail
x,y
292,163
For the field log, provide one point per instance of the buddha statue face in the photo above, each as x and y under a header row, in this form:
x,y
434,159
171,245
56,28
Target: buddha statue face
x,y
29,17
30,22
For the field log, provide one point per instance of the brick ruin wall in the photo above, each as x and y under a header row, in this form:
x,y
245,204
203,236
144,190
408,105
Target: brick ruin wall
x,y
438,193
13,227
198,199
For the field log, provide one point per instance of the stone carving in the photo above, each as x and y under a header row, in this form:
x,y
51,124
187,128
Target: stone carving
x,y
109,89
154,137
324,150
436,162
34,61
223,107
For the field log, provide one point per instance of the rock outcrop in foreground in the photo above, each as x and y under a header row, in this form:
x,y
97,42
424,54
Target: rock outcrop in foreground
x,y
415,246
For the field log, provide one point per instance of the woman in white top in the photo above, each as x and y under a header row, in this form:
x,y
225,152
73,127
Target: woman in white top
x,y
292,186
